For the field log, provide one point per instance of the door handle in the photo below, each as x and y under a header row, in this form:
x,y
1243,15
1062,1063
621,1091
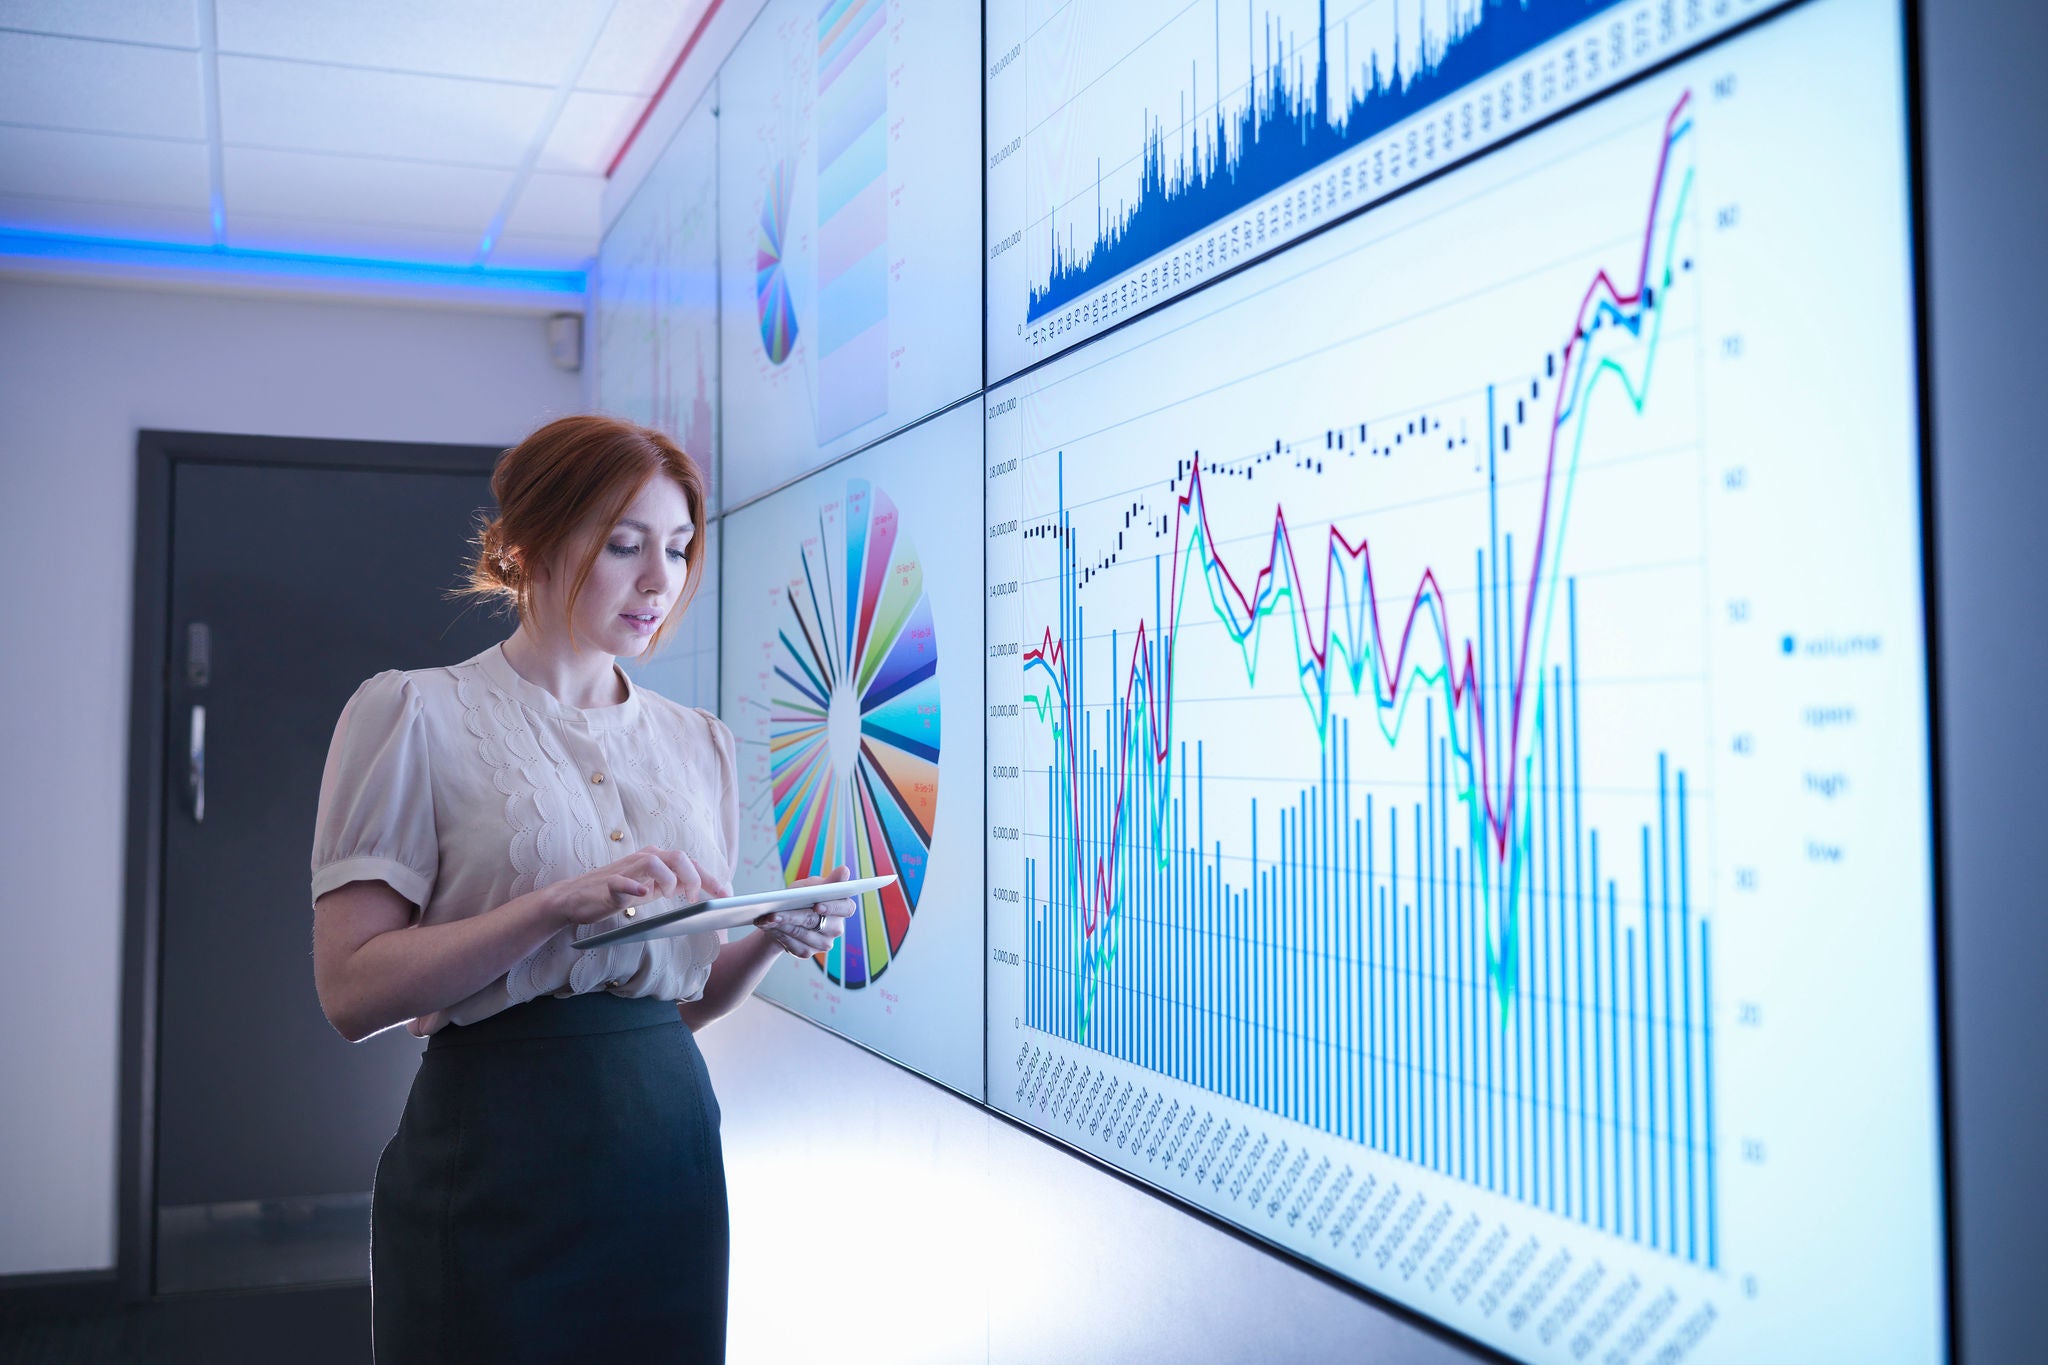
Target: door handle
x,y
196,765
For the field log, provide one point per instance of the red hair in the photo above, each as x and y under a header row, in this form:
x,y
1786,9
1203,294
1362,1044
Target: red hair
x,y
574,475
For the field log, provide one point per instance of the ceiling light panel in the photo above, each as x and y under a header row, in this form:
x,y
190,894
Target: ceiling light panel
x,y
342,190
529,41
537,251
52,164
102,219
639,44
99,87
590,129
266,103
559,206
172,22
354,241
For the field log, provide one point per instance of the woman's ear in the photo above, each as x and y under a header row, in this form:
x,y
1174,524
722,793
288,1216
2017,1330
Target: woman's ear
x,y
534,571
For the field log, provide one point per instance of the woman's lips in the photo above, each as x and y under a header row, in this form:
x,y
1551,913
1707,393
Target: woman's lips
x,y
641,624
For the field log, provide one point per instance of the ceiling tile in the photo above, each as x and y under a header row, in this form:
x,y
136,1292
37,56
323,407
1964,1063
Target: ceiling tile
x,y
99,87
361,241
503,40
175,22
534,251
558,206
97,218
362,190
640,42
292,105
100,166
590,131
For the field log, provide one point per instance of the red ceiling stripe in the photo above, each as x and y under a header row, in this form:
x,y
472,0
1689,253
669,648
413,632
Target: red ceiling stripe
x,y
689,46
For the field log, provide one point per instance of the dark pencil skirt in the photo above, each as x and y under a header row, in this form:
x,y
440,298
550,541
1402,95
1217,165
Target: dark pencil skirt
x,y
555,1192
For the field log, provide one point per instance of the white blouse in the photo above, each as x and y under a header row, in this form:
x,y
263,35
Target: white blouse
x,y
467,786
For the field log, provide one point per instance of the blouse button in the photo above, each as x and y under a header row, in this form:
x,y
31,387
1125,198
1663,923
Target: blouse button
x,y
597,779
617,835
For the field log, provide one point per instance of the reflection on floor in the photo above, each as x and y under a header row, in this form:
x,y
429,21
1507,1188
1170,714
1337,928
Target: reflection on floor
x,y
303,1326
261,1244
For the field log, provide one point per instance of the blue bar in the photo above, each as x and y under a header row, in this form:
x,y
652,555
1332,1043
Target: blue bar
x,y
1635,1166
1539,844
1670,1067
1559,1014
1692,1168
1571,588
1650,1078
1614,1040
1462,1109
1707,1090
1600,1027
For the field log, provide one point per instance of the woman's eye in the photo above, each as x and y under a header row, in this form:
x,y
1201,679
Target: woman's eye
x,y
676,555
623,549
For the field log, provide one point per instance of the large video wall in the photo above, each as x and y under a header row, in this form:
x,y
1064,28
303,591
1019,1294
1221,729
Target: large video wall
x,y
1381,631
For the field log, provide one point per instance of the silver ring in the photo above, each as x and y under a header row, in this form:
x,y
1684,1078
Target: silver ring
x,y
821,919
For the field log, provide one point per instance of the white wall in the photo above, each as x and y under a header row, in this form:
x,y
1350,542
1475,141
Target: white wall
x,y
82,367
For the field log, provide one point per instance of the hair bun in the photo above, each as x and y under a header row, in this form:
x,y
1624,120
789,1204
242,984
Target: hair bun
x,y
492,557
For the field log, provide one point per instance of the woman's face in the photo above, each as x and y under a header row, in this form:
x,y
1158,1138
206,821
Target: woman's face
x,y
638,576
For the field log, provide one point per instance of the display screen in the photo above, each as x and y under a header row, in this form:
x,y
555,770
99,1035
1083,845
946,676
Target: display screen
x,y
852,667
1138,150
850,228
1459,793
655,316
655,297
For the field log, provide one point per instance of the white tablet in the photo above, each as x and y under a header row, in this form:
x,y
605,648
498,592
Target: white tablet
x,y
730,912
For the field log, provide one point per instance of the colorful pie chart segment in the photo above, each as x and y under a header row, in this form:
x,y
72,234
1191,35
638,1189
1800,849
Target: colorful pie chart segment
x,y
771,282
854,722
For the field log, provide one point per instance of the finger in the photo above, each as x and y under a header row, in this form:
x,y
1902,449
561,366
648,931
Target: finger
x,y
626,891
690,883
689,880
656,872
838,874
788,941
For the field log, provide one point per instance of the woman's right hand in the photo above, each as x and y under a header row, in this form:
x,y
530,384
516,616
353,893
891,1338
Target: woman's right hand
x,y
651,874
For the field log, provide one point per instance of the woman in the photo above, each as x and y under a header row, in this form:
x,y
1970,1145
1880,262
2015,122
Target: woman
x,y
555,1190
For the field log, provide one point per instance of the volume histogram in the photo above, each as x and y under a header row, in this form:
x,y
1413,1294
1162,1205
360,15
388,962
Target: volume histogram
x,y
1139,150
1412,838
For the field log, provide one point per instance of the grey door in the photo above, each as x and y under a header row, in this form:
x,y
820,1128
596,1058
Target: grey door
x,y
289,585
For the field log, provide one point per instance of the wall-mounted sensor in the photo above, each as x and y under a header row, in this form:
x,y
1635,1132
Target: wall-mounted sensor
x,y
565,341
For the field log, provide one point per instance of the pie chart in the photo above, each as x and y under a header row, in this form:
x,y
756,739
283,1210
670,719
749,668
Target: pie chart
x,y
771,282
853,721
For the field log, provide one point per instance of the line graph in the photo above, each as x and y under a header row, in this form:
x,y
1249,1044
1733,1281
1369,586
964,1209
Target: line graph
x,y
1256,122
1440,818
1498,871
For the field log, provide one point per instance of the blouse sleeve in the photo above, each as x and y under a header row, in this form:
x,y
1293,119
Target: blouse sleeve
x,y
729,789
376,814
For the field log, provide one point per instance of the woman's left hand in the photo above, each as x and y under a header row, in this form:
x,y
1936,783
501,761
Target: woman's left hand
x,y
805,933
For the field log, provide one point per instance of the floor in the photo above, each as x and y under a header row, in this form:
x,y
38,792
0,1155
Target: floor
x,y
329,1326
